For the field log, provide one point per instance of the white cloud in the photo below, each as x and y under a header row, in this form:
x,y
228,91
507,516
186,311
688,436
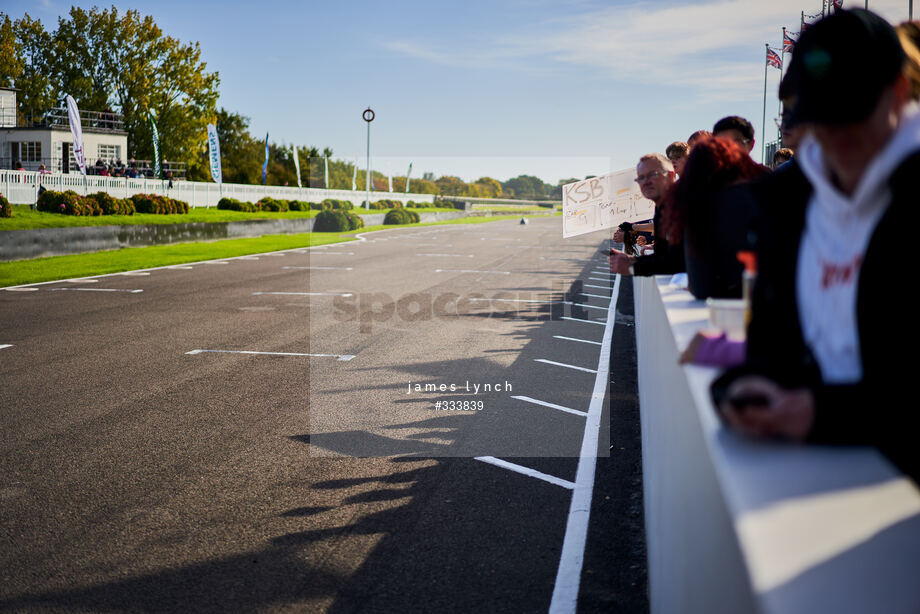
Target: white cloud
x,y
715,48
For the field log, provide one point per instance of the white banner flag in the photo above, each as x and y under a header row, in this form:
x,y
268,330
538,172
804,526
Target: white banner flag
x,y
408,176
297,164
354,178
76,129
326,172
603,202
214,153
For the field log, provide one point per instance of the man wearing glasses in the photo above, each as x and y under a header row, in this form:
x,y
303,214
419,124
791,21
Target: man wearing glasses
x,y
655,176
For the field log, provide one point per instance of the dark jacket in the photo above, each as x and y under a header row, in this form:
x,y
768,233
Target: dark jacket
x,y
712,261
879,409
666,260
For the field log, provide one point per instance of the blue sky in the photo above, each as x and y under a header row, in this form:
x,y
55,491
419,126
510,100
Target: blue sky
x,y
552,88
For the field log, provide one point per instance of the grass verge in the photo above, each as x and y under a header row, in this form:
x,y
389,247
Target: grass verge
x,y
35,270
25,218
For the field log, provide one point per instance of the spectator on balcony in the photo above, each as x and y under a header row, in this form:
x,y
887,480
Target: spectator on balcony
x,y
18,166
42,170
655,176
826,307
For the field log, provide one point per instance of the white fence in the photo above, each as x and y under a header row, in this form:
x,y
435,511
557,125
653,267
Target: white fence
x,y
736,525
21,188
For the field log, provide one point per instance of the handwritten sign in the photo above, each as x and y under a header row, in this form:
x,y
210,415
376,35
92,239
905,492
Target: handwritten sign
x,y
603,202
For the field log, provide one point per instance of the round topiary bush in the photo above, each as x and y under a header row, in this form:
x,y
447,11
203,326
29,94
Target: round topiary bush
x,y
401,216
331,220
355,221
6,210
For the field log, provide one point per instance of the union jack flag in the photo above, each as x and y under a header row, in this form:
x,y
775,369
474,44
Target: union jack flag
x,y
837,4
788,42
808,20
773,59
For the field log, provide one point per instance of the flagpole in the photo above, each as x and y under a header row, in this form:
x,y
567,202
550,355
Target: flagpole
x,y
763,125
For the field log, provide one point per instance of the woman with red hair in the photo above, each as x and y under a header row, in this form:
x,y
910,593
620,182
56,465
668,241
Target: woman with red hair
x,y
711,210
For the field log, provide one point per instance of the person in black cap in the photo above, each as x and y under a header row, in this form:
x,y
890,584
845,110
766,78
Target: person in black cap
x,y
828,301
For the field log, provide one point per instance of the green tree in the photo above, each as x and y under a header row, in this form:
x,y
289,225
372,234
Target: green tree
x,y
449,185
11,63
526,187
127,62
36,92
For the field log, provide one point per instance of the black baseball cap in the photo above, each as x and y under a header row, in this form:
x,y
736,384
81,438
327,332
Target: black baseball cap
x,y
840,66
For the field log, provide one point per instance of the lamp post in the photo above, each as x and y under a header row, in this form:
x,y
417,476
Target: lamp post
x,y
368,116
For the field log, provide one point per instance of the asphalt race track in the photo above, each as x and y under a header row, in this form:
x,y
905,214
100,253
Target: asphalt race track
x,y
390,425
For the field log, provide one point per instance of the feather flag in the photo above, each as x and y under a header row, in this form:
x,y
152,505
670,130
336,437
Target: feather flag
x,y
297,164
408,176
214,153
155,134
76,130
265,164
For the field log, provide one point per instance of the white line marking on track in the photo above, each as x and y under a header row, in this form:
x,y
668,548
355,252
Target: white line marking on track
x,y
579,320
585,306
593,286
187,268
329,254
136,273
81,281
305,293
471,271
215,262
448,255
510,300
603,272
155,268
562,364
98,290
340,357
5,345
593,295
578,340
553,405
324,268
533,473
274,255
18,289
600,278
568,576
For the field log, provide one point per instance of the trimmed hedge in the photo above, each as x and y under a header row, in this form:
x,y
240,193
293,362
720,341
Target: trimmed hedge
x,y
331,220
113,206
385,204
331,203
160,205
271,204
334,220
355,221
401,216
6,210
